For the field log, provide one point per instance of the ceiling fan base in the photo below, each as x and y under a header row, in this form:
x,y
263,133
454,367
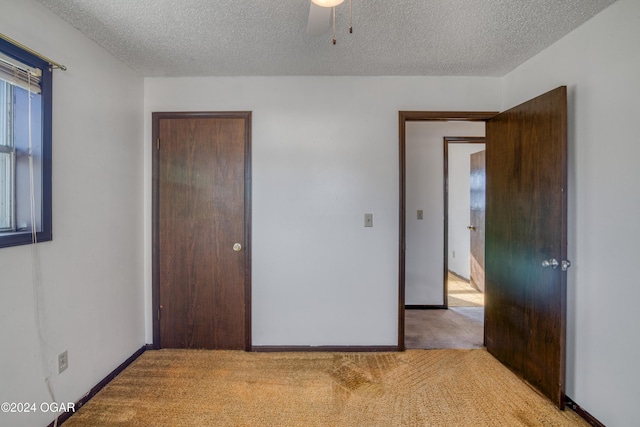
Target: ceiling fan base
x,y
327,3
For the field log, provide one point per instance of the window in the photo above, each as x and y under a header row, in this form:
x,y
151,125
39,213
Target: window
x,y
25,147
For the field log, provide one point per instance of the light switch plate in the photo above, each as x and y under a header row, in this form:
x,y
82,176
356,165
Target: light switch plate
x,y
420,214
368,220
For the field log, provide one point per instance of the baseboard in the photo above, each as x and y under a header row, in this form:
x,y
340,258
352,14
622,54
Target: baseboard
x,y
584,414
66,415
459,276
325,348
424,307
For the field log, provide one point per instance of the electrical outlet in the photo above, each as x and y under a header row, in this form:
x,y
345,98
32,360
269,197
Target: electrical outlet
x,y
63,361
420,214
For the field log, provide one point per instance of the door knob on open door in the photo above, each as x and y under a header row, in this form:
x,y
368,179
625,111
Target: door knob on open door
x,y
471,227
237,247
553,263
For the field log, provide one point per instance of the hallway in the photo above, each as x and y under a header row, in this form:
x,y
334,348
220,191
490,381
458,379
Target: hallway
x,y
456,327
459,326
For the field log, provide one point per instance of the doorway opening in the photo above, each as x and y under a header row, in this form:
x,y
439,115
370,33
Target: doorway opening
x,y
526,228
464,207
459,323
415,299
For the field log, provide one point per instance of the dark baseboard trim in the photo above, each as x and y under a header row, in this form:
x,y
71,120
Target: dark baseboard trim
x,y
425,307
459,276
80,403
325,348
584,414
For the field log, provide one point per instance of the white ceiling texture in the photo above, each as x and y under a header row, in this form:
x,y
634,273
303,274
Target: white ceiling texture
x,y
269,37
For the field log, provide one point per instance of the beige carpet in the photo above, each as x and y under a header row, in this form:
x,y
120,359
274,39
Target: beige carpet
x,y
231,388
462,294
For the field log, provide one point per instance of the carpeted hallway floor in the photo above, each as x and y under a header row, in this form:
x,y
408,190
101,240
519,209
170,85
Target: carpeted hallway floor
x,y
457,327
233,388
461,326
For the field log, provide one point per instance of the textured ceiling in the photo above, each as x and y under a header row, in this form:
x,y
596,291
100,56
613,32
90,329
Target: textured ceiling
x,y
269,37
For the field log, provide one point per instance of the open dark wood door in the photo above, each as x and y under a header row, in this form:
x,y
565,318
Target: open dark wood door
x,y
526,228
477,214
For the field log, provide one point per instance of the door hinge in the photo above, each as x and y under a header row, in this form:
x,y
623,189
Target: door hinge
x,y
158,144
158,314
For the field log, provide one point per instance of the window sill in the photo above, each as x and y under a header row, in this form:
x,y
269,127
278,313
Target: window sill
x,y
18,238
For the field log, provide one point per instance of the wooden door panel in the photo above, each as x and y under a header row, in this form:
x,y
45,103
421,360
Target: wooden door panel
x,y
525,225
201,214
478,200
228,221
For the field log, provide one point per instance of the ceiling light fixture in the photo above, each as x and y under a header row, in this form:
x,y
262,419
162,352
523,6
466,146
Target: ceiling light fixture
x,y
327,3
332,4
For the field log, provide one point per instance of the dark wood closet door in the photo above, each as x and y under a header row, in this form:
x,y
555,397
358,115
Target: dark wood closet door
x,y
201,239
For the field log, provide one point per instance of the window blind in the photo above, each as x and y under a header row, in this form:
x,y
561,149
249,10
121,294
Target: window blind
x,y
18,74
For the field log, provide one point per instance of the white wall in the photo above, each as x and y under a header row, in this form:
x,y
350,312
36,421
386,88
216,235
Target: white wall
x,y
424,262
600,64
325,152
90,275
459,256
